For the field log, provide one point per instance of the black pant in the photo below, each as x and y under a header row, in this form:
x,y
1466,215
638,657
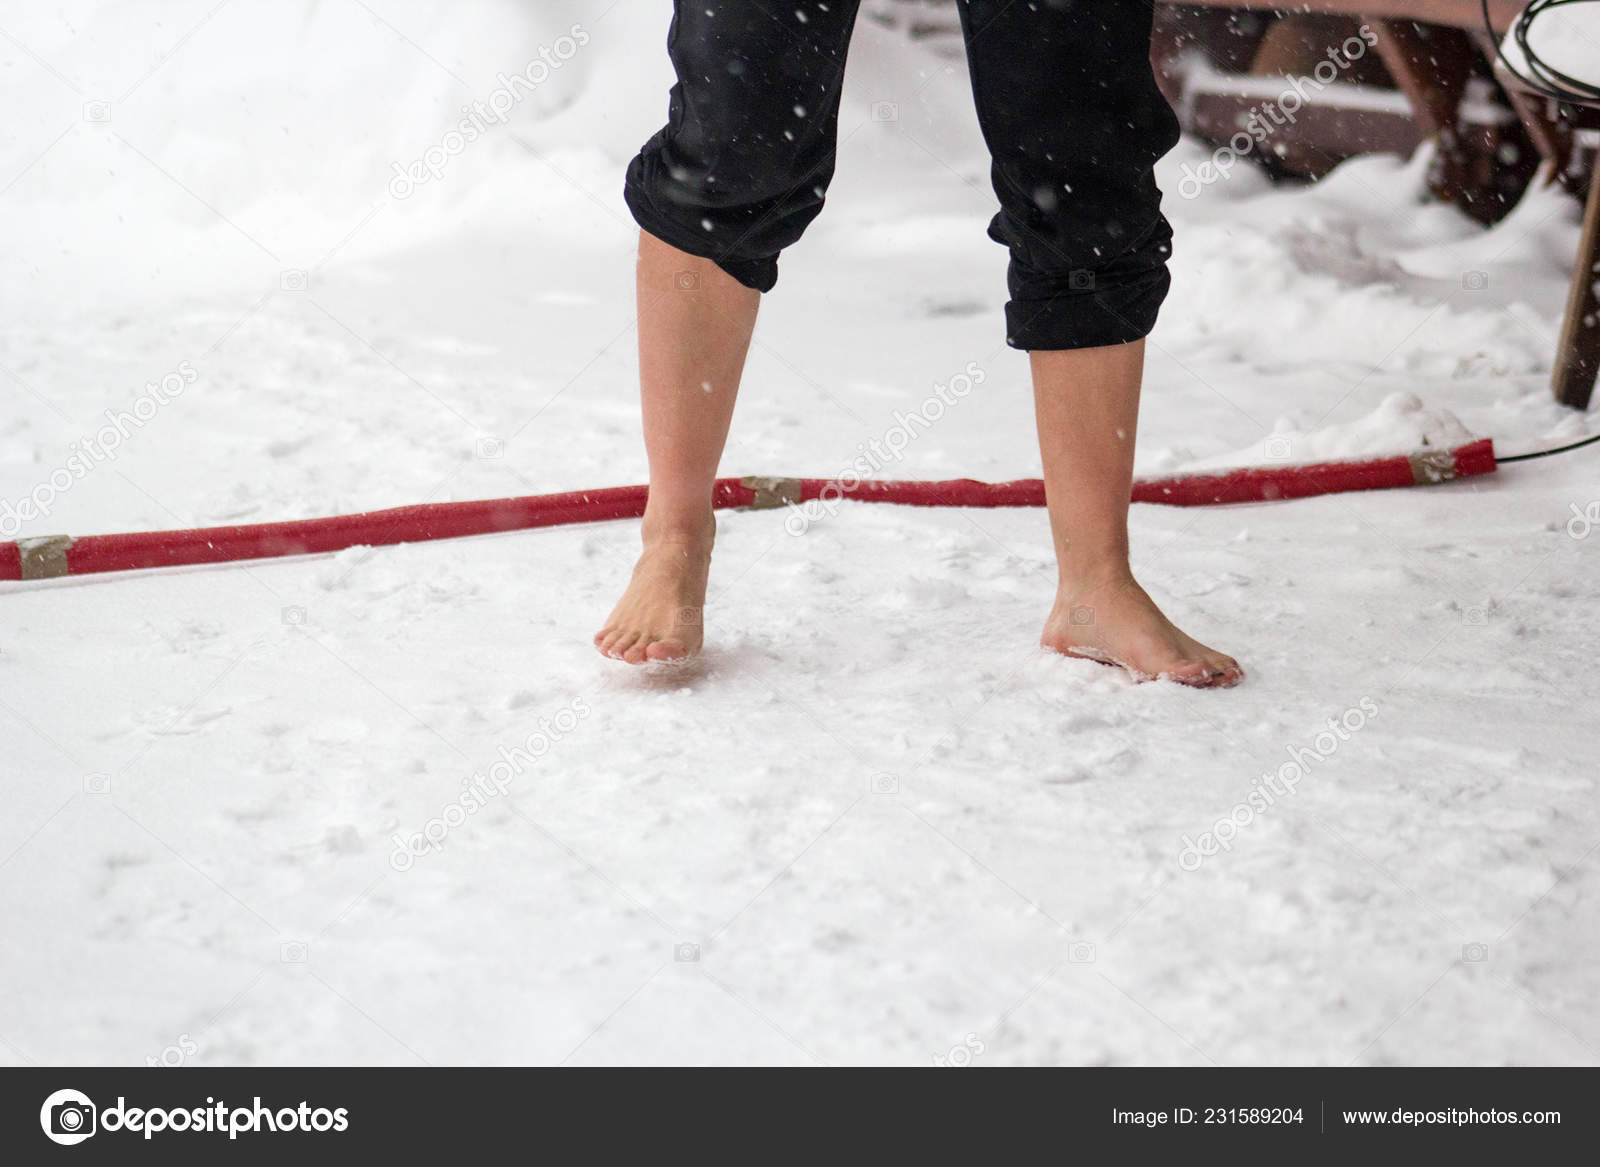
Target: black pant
x,y
1068,107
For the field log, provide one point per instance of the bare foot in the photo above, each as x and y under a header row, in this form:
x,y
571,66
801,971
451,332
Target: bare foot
x,y
1119,624
659,616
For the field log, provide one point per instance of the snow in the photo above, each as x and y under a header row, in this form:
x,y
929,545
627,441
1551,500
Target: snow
x,y
1401,424
880,820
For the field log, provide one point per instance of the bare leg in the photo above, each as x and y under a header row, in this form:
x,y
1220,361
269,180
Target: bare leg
x,y
1087,402
695,323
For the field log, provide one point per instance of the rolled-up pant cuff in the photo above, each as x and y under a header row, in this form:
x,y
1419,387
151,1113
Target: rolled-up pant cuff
x,y
1056,306
760,274
1084,318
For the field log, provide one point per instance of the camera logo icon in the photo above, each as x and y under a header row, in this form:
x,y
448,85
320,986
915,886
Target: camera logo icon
x,y
293,280
1475,953
490,448
1081,952
68,1117
293,951
885,111
686,953
1080,281
98,112
1278,448
884,784
1474,281
1081,614
294,616
686,281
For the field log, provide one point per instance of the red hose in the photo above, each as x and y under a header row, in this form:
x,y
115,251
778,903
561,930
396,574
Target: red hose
x,y
59,555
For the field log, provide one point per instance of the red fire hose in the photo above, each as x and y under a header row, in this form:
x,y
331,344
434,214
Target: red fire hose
x,y
59,555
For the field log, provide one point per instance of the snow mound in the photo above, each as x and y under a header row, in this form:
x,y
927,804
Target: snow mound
x,y
1401,424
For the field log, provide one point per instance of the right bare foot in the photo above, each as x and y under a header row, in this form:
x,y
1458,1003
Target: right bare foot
x,y
659,616
1117,623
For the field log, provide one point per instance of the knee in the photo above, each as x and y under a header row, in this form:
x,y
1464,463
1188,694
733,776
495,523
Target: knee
x,y
743,164
740,212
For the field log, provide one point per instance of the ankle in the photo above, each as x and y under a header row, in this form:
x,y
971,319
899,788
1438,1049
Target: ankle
x,y
689,531
1099,579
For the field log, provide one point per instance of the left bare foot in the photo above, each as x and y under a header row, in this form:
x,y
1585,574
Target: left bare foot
x,y
659,616
1118,623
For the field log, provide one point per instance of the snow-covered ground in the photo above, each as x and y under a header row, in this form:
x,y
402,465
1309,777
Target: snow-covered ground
x,y
874,823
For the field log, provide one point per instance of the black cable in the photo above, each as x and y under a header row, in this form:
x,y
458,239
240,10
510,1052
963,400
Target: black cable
x,y
1546,78
1547,453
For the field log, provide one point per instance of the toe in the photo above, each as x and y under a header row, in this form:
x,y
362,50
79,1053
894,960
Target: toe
x,y
1229,671
1197,674
668,649
1210,676
634,654
617,647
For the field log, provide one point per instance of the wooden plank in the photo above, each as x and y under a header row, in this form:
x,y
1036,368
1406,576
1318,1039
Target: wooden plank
x,y
1550,135
1326,128
1578,353
1431,68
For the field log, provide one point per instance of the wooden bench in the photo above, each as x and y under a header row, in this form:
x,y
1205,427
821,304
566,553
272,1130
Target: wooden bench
x,y
1431,66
